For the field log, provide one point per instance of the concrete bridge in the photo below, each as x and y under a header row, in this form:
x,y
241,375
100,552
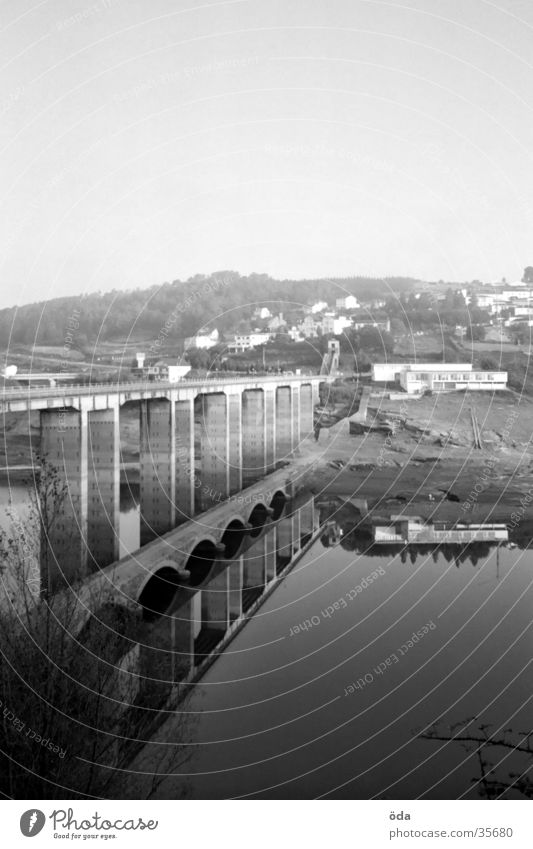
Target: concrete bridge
x,y
201,442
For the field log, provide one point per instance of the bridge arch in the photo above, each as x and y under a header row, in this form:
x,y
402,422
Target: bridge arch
x,y
201,560
159,590
233,537
258,518
277,503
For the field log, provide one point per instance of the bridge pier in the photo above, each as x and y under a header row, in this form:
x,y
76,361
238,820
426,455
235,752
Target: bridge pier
x,y
157,468
283,422
215,603
270,554
307,521
269,396
253,582
103,476
184,485
214,451
235,425
182,639
235,589
253,436
296,531
64,507
284,531
295,408
306,411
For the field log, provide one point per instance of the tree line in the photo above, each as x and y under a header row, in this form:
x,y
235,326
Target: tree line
x,y
222,299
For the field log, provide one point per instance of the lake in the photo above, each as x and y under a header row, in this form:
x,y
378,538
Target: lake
x,y
324,692
359,650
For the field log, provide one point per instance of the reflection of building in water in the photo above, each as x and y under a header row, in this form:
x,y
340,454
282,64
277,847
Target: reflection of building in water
x,y
332,535
412,529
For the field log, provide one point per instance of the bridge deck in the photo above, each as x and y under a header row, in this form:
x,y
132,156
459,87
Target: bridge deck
x,y
39,397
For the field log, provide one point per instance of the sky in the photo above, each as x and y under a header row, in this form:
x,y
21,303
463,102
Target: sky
x,y
144,141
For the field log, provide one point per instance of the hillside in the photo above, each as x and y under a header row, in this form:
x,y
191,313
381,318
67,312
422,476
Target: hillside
x,y
172,311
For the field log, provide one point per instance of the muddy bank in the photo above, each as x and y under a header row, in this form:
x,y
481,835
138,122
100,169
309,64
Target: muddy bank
x,y
429,466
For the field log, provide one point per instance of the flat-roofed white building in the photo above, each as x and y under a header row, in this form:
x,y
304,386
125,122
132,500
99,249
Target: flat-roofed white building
x,y
390,372
416,378
438,379
246,341
522,309
413,529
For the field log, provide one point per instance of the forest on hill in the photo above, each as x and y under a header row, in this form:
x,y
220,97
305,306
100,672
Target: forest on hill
x,y
222,299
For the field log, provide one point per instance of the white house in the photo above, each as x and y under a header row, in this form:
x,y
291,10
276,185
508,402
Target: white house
x,y
349,302
262,313
320,306
202,340
247,341
487,301
335,324
295,334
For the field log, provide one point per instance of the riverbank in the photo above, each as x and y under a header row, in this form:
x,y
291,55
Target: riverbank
x,y
429,466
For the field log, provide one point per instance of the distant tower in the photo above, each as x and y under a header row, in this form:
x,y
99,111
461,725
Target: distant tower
x,y
330,362
334,351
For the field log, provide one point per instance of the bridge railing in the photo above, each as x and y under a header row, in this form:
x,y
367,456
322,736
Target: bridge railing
x,y
154,385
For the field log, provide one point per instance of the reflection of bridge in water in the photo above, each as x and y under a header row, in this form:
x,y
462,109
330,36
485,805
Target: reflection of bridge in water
x,y
179,601
200,444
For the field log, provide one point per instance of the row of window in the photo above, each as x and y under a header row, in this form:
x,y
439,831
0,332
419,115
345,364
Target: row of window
x,y
426,376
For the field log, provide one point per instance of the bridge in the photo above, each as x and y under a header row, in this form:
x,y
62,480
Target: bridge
x,y
200,443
